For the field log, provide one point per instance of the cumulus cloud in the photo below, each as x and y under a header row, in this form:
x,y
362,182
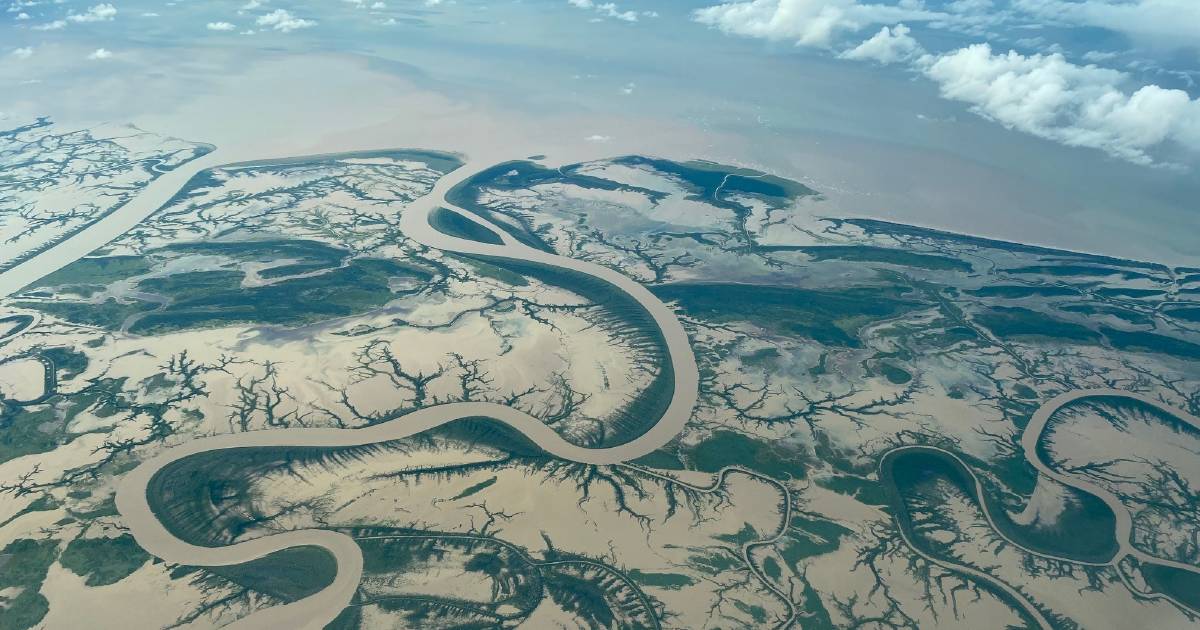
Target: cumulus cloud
x,y
51,26
282,20
607,9
220,26
98,13
100,53
807,22
1083,106
23,53
1151,20
889,45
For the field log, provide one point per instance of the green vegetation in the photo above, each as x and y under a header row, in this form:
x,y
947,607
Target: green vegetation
x,y
488,270
1085,531
337,286
808,537
1130,293
98,271
455,224
68,362
714,183
1185,313
194,496
1078,270
1183,586
1010,323
13,324
109,314
730,448
286,575
661,459
27,430
305,255
894,374
829,317
1022,291
864,490
440,161
1139,341
44,503
23,565
103,561
668,581
517,175
482,485
216,298
870,253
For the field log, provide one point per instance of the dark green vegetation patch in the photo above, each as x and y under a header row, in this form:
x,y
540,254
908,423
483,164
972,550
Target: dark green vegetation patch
x,y
287,575
316,282
455,224
873,254
23,565
103,561
1084,532
1182,585
829,317
730,448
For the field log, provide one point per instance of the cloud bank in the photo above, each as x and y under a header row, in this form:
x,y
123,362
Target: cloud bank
x,y
808,22
1082,106
283,21
1044,95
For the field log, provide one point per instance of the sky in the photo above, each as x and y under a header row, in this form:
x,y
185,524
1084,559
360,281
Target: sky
x,y
1072,123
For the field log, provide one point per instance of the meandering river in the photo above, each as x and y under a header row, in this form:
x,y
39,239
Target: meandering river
x,y
319,609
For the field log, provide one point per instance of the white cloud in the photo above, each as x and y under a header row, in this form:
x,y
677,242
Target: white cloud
x,y
98,13
100,53
1150,20
808,22
598,138
628,88
1083,106
889,45
220,26
22,16
282,20
23,53
607,9
50,26
1097,56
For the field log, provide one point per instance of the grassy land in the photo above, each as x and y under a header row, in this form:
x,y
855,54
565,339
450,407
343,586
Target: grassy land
x,y
830,317
729,448
103,561
23,565
1085,531
455,224
873,254
287,575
